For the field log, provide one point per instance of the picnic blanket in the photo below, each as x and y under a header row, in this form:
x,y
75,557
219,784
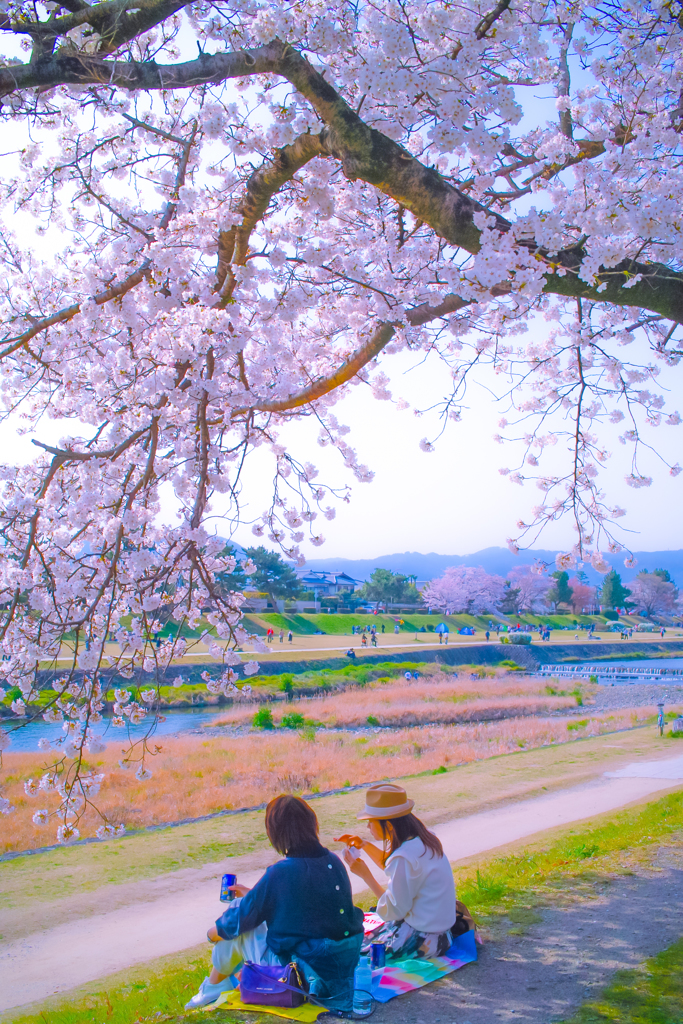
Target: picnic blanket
x,y
307,1012
395,979
403,976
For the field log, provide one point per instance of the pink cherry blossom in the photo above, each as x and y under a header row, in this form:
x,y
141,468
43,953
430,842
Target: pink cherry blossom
x,y
197,249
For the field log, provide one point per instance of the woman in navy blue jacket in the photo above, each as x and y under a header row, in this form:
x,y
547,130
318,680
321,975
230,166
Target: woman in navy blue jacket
x,y
300,909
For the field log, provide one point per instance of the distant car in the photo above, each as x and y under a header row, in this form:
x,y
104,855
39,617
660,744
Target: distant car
x,y
467,631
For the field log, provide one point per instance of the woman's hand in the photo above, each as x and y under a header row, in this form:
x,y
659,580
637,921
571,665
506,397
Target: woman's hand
x,y
239,890
358,867
356,864
350,840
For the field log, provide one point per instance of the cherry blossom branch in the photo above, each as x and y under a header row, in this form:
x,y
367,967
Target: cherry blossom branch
x,y
261,186
371,156
143,273
381,337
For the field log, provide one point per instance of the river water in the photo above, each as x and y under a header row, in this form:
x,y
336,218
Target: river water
x,y
25,737
631,663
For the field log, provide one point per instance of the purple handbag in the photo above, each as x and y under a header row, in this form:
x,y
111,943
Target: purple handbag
x,y
272,986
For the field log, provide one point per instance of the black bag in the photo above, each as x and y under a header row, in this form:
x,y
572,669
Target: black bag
x,y
464,922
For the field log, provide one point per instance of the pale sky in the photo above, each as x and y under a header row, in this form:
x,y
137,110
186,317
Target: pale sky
x,y
454,501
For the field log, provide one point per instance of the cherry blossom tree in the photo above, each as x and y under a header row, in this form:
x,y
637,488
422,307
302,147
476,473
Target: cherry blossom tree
x,y
652,595
465,589
583,596
533,586
217,217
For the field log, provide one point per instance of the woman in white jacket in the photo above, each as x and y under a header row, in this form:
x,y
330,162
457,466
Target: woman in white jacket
x,y
418,905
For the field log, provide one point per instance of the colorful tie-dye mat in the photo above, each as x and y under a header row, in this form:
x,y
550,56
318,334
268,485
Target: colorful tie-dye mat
x,y
406,975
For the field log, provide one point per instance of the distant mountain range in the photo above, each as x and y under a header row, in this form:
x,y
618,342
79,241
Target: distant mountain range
x,y
494,560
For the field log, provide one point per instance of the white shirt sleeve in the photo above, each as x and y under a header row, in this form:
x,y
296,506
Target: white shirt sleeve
x,y
397,901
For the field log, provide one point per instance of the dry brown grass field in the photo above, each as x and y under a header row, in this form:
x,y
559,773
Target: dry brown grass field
x,y
434,697
194,776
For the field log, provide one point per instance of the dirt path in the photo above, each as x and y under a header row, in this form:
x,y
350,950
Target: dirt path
x,y
559,962
173,914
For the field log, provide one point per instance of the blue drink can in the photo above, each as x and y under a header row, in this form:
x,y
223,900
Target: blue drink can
x,y
227,883
378,955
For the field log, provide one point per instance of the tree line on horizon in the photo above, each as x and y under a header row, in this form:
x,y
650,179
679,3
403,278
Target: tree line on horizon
x,y
467,589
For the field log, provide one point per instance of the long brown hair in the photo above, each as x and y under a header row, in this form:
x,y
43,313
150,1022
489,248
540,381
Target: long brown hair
x,y
409,827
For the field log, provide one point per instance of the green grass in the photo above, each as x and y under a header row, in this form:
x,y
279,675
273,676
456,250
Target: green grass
x,y
349,675
334,623
508,885
650,994
575,857
155,991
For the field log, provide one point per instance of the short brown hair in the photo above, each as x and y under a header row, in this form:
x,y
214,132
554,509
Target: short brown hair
x,y
290,823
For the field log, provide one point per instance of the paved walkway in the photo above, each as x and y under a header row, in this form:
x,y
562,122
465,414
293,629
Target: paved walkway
x,y
71,954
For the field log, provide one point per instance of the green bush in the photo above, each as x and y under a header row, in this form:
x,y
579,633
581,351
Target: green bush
x,y
520,638
293,721
441,770
14,693
263,719
371,720
287,685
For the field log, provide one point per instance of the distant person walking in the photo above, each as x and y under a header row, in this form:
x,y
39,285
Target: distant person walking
x,y
282,635
290,637
373,639
382,627
488,636
396,628
364,640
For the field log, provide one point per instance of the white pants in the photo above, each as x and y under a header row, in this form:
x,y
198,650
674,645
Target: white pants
x,y
229,954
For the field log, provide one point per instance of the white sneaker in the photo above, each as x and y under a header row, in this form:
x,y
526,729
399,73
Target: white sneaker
x,y
209,993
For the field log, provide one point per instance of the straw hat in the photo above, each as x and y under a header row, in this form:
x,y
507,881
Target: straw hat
x,y
386,801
